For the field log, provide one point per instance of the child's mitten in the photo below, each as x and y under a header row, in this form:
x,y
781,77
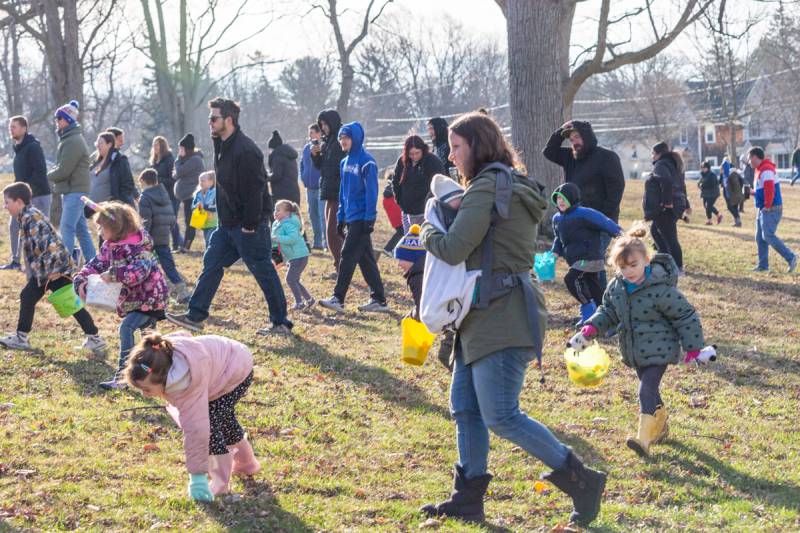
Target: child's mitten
x,y
199,489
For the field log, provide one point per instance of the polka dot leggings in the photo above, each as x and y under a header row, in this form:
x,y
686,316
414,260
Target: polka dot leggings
x,y
225,429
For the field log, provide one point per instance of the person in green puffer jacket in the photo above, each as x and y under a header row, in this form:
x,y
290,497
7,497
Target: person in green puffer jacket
x,y
495,345
655,319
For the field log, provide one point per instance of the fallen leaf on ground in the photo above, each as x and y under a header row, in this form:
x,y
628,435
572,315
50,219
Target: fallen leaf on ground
x,y
430,523
150,447
558,528
698,402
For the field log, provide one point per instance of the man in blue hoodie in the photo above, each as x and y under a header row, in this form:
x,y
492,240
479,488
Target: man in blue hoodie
x,y
358,201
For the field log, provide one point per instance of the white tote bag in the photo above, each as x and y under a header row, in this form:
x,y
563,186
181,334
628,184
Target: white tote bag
x,y
102,295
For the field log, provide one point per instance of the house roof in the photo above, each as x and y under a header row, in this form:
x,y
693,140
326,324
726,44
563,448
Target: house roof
x,y
707,98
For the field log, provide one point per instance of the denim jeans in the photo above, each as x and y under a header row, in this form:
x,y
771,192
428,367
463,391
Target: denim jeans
x,y
167,262
42,203
132,321
485,395
225,247
766,226
605,240
73,224
316,212
207,235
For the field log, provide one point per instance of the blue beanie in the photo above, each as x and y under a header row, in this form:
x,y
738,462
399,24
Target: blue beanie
x,y
410,249
69,112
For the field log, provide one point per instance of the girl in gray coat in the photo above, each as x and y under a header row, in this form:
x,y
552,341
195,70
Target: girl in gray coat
x,y
655,319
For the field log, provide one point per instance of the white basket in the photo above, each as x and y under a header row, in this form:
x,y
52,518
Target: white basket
x,y
102,295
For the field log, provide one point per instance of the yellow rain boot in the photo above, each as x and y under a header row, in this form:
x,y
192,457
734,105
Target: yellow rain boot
x,y
647,431
662,429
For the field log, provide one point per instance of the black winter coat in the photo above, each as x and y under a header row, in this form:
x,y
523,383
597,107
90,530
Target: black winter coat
x,y
165,168
414,278
157,214
709,185
330,156
242,194
658,189
123,188
598,173
412,191
30,166
283,169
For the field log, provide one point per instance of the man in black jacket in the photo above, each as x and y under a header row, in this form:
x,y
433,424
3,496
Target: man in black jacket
x,y
327,157
244,207
31,168
595,170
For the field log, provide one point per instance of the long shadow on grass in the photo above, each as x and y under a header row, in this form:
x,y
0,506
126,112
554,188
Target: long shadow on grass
x,y
742,237
739,366
375,379
257,510
87,374
760,285
700,464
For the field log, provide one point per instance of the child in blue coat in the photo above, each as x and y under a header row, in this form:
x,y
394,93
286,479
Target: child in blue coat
x,y
206,198
578,231
287,234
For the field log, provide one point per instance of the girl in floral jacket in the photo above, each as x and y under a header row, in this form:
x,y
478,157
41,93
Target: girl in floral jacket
x,y
126,257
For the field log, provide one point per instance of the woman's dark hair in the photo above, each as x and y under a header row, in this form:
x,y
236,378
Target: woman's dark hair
x,y
663,150
486,142
108,137
413,141
227,108
151,357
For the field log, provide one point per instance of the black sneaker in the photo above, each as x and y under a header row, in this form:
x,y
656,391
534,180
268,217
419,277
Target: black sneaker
x,y
13,265
184,321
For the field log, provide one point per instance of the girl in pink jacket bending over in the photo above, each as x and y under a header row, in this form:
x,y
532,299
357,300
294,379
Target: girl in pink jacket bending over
x,y
201,378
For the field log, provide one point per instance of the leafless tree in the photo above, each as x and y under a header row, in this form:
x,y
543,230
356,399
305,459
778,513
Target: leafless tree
x,y
329,9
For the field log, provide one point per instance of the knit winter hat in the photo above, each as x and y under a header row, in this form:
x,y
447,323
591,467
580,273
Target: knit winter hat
x,y
187,142
275,140
445,189
410,249
69,112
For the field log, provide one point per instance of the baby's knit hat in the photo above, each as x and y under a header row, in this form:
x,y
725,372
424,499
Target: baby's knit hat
x,y
410,249
69,112
445,189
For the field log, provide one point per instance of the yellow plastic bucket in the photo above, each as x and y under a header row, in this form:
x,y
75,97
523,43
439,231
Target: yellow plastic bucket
x,y
589,367
417,341
65,301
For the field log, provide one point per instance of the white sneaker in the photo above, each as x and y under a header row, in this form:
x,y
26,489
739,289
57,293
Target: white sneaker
x,y
333,304
374,306
94,344
15,342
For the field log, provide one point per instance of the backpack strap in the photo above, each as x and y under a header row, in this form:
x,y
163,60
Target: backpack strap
x,y
502,203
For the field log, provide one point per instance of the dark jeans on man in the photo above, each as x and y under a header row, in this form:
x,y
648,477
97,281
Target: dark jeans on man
x,y
167,263
357,250
226,246
33,292
665,234
605,240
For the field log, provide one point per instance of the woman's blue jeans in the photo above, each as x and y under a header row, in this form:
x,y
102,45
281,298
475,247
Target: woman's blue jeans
x,y
485,396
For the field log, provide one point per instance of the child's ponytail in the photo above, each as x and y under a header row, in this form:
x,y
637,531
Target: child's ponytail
x,y
151,357
631,242
293,208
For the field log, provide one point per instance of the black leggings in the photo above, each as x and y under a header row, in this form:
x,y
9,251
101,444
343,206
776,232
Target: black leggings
x,y
225,429
649,381
398,235
33,292
664,230
708,203
584,286
187,217
733,209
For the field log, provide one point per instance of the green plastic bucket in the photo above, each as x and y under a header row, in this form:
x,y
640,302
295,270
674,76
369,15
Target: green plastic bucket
x,y
65,301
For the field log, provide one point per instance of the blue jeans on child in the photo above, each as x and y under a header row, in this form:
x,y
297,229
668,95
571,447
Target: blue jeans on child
x,y
316,212
766,225
73,223
132,321
164,255
485,395
226,246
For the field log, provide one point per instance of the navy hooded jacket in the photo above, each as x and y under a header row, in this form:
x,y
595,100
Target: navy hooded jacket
x,y
358,193
578,229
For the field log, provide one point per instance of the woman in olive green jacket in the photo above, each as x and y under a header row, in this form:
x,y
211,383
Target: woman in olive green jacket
x,y
496,342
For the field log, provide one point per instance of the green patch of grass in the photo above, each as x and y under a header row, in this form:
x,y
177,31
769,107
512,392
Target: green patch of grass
x,y
352,440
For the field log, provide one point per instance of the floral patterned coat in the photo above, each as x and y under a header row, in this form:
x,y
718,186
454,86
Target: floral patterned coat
x,y
130,261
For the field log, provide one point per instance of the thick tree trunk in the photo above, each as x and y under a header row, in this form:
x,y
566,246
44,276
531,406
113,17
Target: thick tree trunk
x,y
538,72
343,102
62,48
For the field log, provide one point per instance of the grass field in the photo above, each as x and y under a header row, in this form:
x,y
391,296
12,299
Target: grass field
x,y
352,440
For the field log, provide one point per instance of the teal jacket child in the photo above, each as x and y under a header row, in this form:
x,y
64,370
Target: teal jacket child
x,y
656,318
288,235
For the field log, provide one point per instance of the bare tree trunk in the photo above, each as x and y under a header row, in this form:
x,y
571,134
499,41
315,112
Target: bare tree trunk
x,y
62,48
538,71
